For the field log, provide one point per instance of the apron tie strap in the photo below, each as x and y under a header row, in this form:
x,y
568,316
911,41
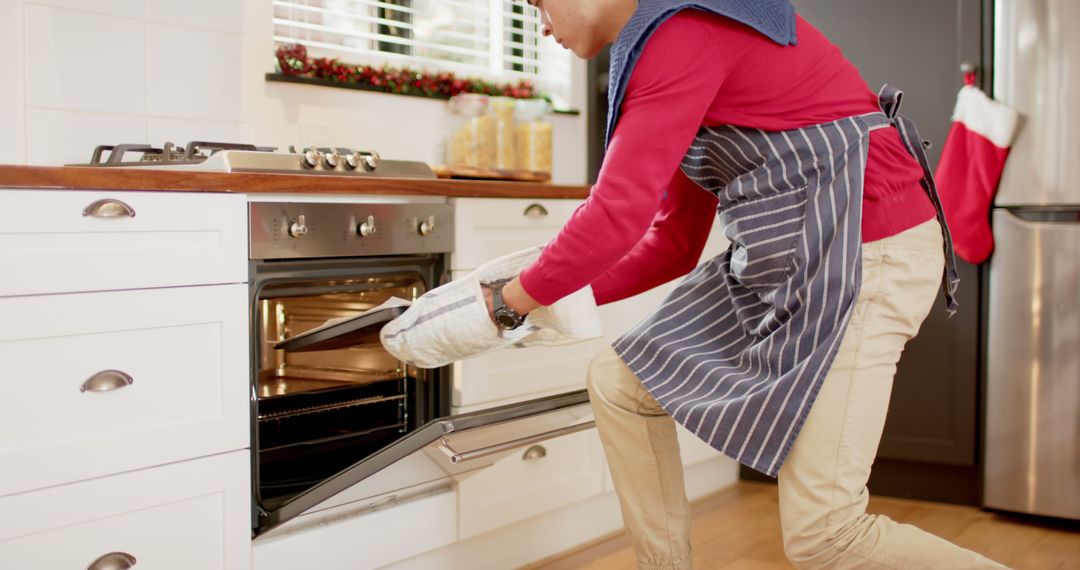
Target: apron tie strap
x,y
889,99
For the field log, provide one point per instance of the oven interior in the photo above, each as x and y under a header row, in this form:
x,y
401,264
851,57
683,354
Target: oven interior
x,y
317,413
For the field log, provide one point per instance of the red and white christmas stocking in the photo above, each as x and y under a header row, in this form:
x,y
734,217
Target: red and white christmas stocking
x,y
970,167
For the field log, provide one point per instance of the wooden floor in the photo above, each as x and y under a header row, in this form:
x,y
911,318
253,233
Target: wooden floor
x,y
739,529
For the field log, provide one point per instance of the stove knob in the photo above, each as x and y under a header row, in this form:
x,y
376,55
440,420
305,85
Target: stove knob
x,y
427,227
298,229
331,160
367,228
371,160
311,158
351,161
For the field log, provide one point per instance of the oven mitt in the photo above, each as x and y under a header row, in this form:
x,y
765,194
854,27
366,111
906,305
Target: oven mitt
x,y
451,322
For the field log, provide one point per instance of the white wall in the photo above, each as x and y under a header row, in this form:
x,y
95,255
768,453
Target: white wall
x,y
12,106
88,72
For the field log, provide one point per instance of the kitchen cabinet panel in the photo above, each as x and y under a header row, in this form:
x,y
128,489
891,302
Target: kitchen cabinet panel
x,y
52,244
192,514
519,372
109,382
364,539
533,481
489,228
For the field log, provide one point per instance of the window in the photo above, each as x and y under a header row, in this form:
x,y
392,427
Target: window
x,y
497,40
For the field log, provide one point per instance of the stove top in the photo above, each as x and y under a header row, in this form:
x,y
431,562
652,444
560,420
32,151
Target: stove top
x,y
199,156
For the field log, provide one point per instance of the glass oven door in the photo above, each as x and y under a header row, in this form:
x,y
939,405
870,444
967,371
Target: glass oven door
x,y
439,451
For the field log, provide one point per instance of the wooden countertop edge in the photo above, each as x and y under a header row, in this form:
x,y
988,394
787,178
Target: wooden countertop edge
x,y
89,178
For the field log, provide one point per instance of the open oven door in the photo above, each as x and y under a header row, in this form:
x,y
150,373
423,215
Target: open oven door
x,y
438,452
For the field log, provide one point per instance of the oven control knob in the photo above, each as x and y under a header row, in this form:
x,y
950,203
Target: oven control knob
x,y
331,160
298,229
351,161
311,157
370,160
427,227
367,228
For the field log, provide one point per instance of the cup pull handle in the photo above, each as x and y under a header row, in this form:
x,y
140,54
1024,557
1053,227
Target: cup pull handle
x,y
536,211
535,452
109,208
113,561
107,381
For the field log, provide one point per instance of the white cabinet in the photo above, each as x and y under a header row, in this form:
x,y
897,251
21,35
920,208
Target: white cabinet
x,y
517,373
192,514
70,241
362,539
114,381
487,228
124,336
531,482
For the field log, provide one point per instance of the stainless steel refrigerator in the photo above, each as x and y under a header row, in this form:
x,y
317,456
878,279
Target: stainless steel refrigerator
x,y
1032,435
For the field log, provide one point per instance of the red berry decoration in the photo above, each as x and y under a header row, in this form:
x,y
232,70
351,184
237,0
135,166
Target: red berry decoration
x,y
293,60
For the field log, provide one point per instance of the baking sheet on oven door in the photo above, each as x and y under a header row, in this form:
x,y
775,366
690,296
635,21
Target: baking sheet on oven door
x,y
441,450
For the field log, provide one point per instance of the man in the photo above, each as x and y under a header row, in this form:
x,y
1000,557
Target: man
x,y
780,352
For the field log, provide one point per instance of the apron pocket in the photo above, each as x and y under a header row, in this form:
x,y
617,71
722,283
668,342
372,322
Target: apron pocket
x,y
765,235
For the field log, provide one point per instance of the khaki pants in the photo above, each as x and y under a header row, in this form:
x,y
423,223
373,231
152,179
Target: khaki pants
x,y
822,484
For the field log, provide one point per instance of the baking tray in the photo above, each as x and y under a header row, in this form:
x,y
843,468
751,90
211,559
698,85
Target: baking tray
x,y
344,333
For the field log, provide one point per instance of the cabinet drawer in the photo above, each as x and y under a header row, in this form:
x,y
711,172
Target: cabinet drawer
x,y
533,481
517,372
487,228
185,351
47,245
193,514
363,540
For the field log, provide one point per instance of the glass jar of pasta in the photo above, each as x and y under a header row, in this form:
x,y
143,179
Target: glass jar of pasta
x,y
472,142
503,109
533,136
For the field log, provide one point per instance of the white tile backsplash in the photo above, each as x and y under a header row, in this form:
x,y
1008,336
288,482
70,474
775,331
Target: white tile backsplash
x,y
122,8
194,74
12,105
84,62
183,131
213,15
65,137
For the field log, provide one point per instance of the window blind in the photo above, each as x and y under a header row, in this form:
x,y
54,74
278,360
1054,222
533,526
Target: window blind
x,y
498,40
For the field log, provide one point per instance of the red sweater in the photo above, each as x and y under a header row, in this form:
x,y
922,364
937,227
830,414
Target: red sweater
x,y
644,222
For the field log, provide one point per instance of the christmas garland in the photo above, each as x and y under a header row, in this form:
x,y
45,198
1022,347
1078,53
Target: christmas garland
x,y
293,60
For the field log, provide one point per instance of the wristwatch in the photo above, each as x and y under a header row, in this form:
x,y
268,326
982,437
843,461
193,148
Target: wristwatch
x,y
506,318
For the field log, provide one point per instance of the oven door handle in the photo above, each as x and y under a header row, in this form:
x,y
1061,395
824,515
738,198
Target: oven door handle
x,y
457,457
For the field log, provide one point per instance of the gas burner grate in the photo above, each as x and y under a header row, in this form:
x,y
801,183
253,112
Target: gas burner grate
x,y
203,156
193,153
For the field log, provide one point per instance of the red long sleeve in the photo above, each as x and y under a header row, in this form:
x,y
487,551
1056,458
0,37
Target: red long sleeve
x,y
666,101
670,249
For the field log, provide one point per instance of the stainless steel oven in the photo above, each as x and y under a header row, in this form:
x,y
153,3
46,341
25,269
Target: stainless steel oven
x,y
342,426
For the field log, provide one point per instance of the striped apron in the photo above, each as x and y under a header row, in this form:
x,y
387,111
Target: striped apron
x,y
739,350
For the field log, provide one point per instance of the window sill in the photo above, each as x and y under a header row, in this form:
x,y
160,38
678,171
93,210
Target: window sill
x,y
282,78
